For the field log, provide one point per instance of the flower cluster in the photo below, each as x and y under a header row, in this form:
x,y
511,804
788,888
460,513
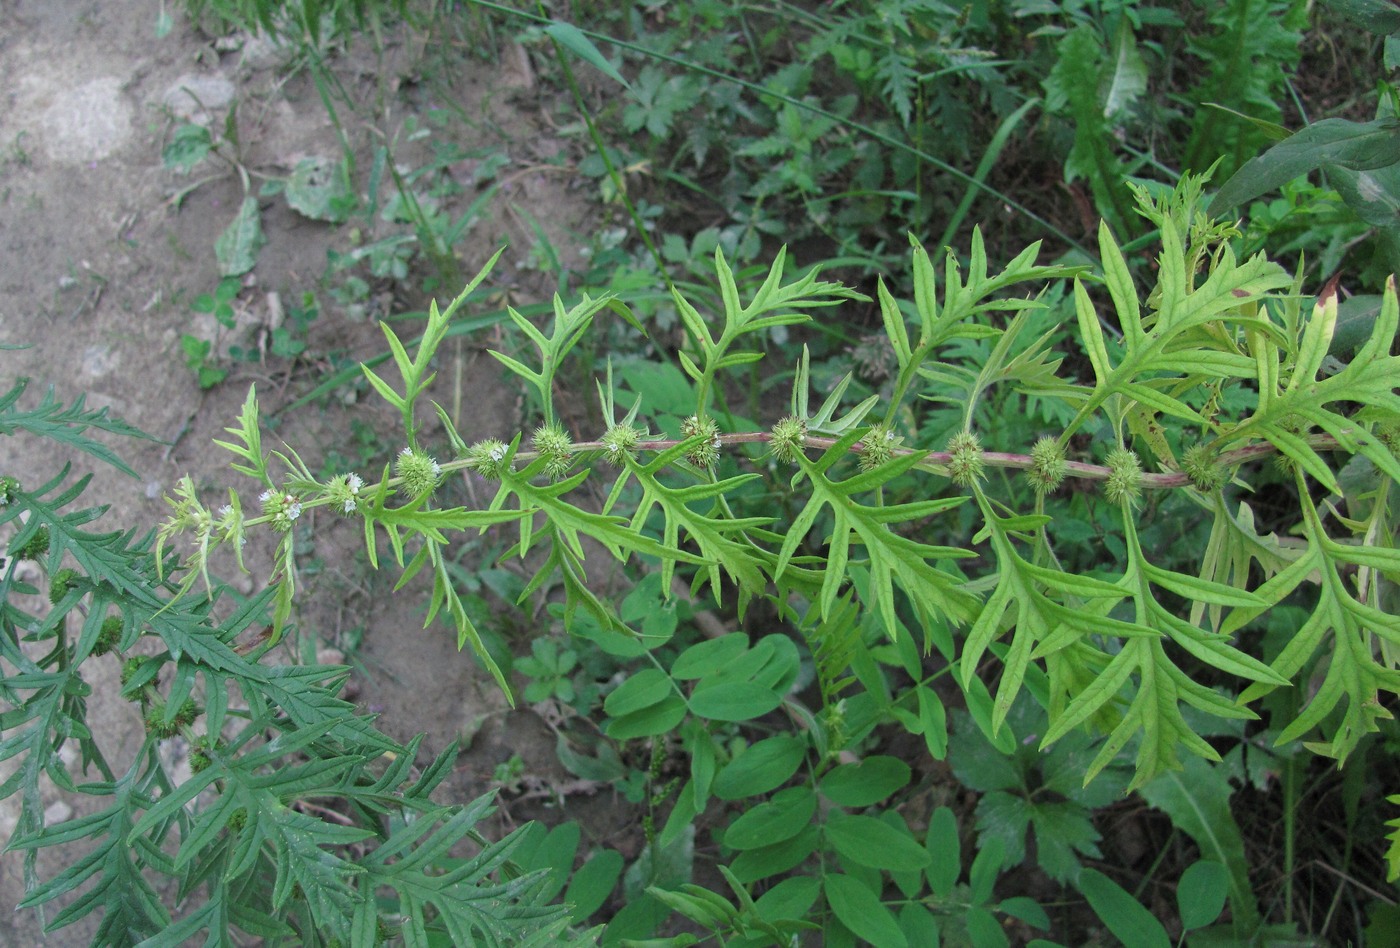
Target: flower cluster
x,y
488,458
965,465
620,442
62,581
35,547
706,451
9,487
1124,477
1202,466
1047,468
344,492
789,438
419,471
110,636
553,444
877,447
281,508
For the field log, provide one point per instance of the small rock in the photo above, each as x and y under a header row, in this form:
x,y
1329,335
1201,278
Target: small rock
x,y
260,52
57,812
197,97
153,490
99,360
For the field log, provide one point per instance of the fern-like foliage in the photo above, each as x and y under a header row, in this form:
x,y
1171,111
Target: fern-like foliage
x,y
1251,48
299,815
1214,369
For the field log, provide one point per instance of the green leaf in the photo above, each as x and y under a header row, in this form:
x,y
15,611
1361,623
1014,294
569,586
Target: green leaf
x,y
944,846
647,687
1129,79
861,911
1027,910
319,188
590,886
710,656
984,930
575,41
937,595
790,899
50,419
933,719
762,767
779,819
1356,146
237,247
1121,913
865,783
1197,798
767,861
733,701
651,720
1201,892
867,841
189,145
986,868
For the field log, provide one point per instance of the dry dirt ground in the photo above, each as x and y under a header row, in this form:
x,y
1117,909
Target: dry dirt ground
x,y
98,267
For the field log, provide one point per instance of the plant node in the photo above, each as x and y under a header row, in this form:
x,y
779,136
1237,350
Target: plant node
x,y
554,444
965,466
62,581
421,474
620,442
109,637
877,447
488,458
1047,470
1124,478
1200,464
36,546
706,452
789,438
344,492
281,507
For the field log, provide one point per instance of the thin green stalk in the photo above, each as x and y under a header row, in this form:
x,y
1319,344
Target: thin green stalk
x,y
1290,822
619,186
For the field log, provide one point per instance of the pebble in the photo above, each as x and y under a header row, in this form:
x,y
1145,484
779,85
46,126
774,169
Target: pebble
x,y
195,97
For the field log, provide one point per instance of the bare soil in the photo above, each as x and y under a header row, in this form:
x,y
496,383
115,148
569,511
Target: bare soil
x,y
98,267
